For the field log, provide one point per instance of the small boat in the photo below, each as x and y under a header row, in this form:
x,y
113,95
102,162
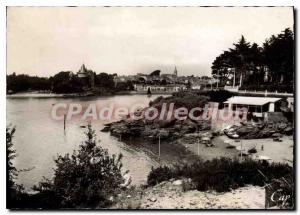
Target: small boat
x,y
235,136
252,150
263,157
205,139
276,135
231,144
209,145
243,149
230,147
244,154
277,139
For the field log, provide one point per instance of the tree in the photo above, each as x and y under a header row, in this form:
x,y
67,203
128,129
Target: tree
x,y
240,56
11,170
11,154
279,57
123,86
66,82
221,67
15,192
105,80
155,73
87,178
250,63
256,73
22,82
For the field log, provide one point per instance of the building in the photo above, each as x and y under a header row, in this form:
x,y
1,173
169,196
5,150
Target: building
x,y
169,88
234,89
258,106
155,78
87,76
167,80
196,86
123,78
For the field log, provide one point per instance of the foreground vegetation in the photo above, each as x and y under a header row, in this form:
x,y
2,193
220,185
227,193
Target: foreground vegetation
x,y
91,178
86,179
222,174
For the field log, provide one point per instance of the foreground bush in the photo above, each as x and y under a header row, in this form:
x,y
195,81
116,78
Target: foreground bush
x,y
87,178
15,192
221,174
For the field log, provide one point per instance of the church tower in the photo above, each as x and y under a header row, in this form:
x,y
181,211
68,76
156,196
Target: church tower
x,y
82,69
175,71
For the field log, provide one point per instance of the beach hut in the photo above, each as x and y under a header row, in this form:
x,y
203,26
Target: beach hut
x,y
258,106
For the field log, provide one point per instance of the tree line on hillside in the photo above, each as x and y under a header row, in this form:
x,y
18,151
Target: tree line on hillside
x,y
64,82
258,68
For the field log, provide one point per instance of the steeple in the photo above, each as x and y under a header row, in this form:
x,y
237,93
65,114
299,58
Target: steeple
x,y
175,71
82,69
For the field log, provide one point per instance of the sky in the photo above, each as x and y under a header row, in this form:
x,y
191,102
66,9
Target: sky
x,y
43,41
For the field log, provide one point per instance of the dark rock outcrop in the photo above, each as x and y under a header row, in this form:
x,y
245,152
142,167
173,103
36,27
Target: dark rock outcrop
x,y
163,126
257,131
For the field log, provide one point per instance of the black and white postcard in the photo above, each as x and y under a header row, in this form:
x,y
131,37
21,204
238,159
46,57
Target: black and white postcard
x,y
150,107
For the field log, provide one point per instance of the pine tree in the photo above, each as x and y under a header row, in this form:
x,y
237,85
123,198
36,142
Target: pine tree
x,y
279,57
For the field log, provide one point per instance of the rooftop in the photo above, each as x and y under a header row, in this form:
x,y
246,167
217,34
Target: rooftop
x,y
247,100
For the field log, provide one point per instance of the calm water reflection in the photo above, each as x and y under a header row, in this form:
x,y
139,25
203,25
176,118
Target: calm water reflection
x,y
39,139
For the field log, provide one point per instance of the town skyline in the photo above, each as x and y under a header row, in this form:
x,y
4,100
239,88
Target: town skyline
x,y
132,40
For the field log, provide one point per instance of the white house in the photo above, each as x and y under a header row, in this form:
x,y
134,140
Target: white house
x,y
258,106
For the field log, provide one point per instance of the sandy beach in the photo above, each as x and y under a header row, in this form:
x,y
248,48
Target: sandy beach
x,y
281,152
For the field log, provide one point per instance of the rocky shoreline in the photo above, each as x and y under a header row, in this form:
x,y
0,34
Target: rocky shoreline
x,y
153,130
259,130
165,126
